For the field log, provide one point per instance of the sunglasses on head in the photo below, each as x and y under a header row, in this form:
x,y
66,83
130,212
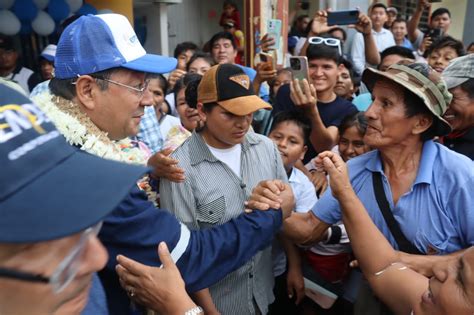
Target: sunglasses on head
x,y
333,42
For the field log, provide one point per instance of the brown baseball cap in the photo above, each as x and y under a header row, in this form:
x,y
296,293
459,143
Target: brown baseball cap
x,y
229,86
423,81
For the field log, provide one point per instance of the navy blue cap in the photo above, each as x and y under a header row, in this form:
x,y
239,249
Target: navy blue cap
x,y
94,43
48,188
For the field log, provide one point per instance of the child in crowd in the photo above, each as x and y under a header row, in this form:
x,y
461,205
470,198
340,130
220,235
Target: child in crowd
x,y
289,131
442,51
230,13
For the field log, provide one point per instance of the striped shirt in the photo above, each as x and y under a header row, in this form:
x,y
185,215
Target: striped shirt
x,y
212,194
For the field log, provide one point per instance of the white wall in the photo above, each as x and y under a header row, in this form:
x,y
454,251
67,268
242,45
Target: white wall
x,y
191,20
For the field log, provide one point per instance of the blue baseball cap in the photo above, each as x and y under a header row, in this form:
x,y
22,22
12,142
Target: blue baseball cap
x,y
48,188
94,43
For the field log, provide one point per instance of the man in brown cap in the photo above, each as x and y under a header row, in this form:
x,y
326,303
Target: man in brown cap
x,y
223,162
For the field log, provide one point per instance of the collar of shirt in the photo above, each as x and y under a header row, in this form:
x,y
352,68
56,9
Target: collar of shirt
x,y
425,169
383,31
202,153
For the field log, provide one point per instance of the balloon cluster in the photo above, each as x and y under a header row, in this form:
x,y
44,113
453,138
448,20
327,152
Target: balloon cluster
x,y
40,16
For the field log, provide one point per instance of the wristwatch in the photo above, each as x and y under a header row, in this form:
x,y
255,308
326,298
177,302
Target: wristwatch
x,y
194,311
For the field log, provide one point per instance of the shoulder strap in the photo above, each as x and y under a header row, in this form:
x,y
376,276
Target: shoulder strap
x,y
403,244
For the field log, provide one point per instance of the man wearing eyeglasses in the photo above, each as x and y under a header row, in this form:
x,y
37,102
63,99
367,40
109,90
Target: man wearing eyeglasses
x,y
49,250
98,97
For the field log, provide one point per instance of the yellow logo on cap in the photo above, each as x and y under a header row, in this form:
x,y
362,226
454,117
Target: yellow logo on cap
x,y
242,80
17,122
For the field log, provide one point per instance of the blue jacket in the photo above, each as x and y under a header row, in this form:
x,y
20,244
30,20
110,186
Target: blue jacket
x,y
136,227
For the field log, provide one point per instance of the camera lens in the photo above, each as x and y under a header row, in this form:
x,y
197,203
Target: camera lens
x,y
295,64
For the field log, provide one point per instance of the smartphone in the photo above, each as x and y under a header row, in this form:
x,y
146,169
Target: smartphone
x,y
274,31
343,17
299,67
435,34
269,60
431,1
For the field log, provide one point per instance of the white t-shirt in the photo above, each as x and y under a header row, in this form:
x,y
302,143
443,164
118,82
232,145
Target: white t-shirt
x,y
383,40
231,157
21,78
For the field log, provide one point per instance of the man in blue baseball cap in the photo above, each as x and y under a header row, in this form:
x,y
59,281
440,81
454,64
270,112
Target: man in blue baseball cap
x,y
49,250
97,100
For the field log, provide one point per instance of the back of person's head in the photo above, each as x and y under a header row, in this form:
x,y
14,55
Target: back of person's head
x,y
183,47
358,120
191,93
446,41
324,51
397,50
184,83
440,11
296,117
222,35
338,29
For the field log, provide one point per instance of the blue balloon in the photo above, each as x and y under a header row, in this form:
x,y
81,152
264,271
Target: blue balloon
x,y
58,9
25,10
26,28
87,9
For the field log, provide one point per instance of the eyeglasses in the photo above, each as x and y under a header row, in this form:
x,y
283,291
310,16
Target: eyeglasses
x,y
333,42
139,90
67,268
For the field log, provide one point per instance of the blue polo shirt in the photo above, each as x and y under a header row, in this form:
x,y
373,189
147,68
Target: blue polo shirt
x,y
436,214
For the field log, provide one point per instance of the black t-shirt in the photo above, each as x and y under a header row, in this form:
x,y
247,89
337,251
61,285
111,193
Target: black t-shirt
x,y
332,114
463,144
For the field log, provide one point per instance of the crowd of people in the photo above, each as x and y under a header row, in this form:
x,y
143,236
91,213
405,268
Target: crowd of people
x,y
197,184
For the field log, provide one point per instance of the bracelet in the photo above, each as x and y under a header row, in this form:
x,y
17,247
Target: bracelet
x,y
402,267
194,311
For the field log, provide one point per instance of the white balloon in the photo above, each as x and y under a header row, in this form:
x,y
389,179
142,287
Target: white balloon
x,y
74,5
105,11
9,23
41,4
43,24
6,4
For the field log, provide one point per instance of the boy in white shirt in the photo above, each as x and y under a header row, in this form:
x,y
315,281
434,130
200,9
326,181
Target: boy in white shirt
x,y
289,131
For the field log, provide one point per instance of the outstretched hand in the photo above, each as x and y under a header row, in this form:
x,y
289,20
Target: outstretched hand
x,y
160,289
165,166
272,194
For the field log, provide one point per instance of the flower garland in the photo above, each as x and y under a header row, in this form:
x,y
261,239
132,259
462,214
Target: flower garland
x,y
81,132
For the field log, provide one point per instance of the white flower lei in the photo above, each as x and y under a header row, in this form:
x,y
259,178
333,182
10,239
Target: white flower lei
x,y
80,131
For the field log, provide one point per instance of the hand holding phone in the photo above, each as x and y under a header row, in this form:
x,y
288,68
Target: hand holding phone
x,y
299,67
268,61
345,17
274,32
